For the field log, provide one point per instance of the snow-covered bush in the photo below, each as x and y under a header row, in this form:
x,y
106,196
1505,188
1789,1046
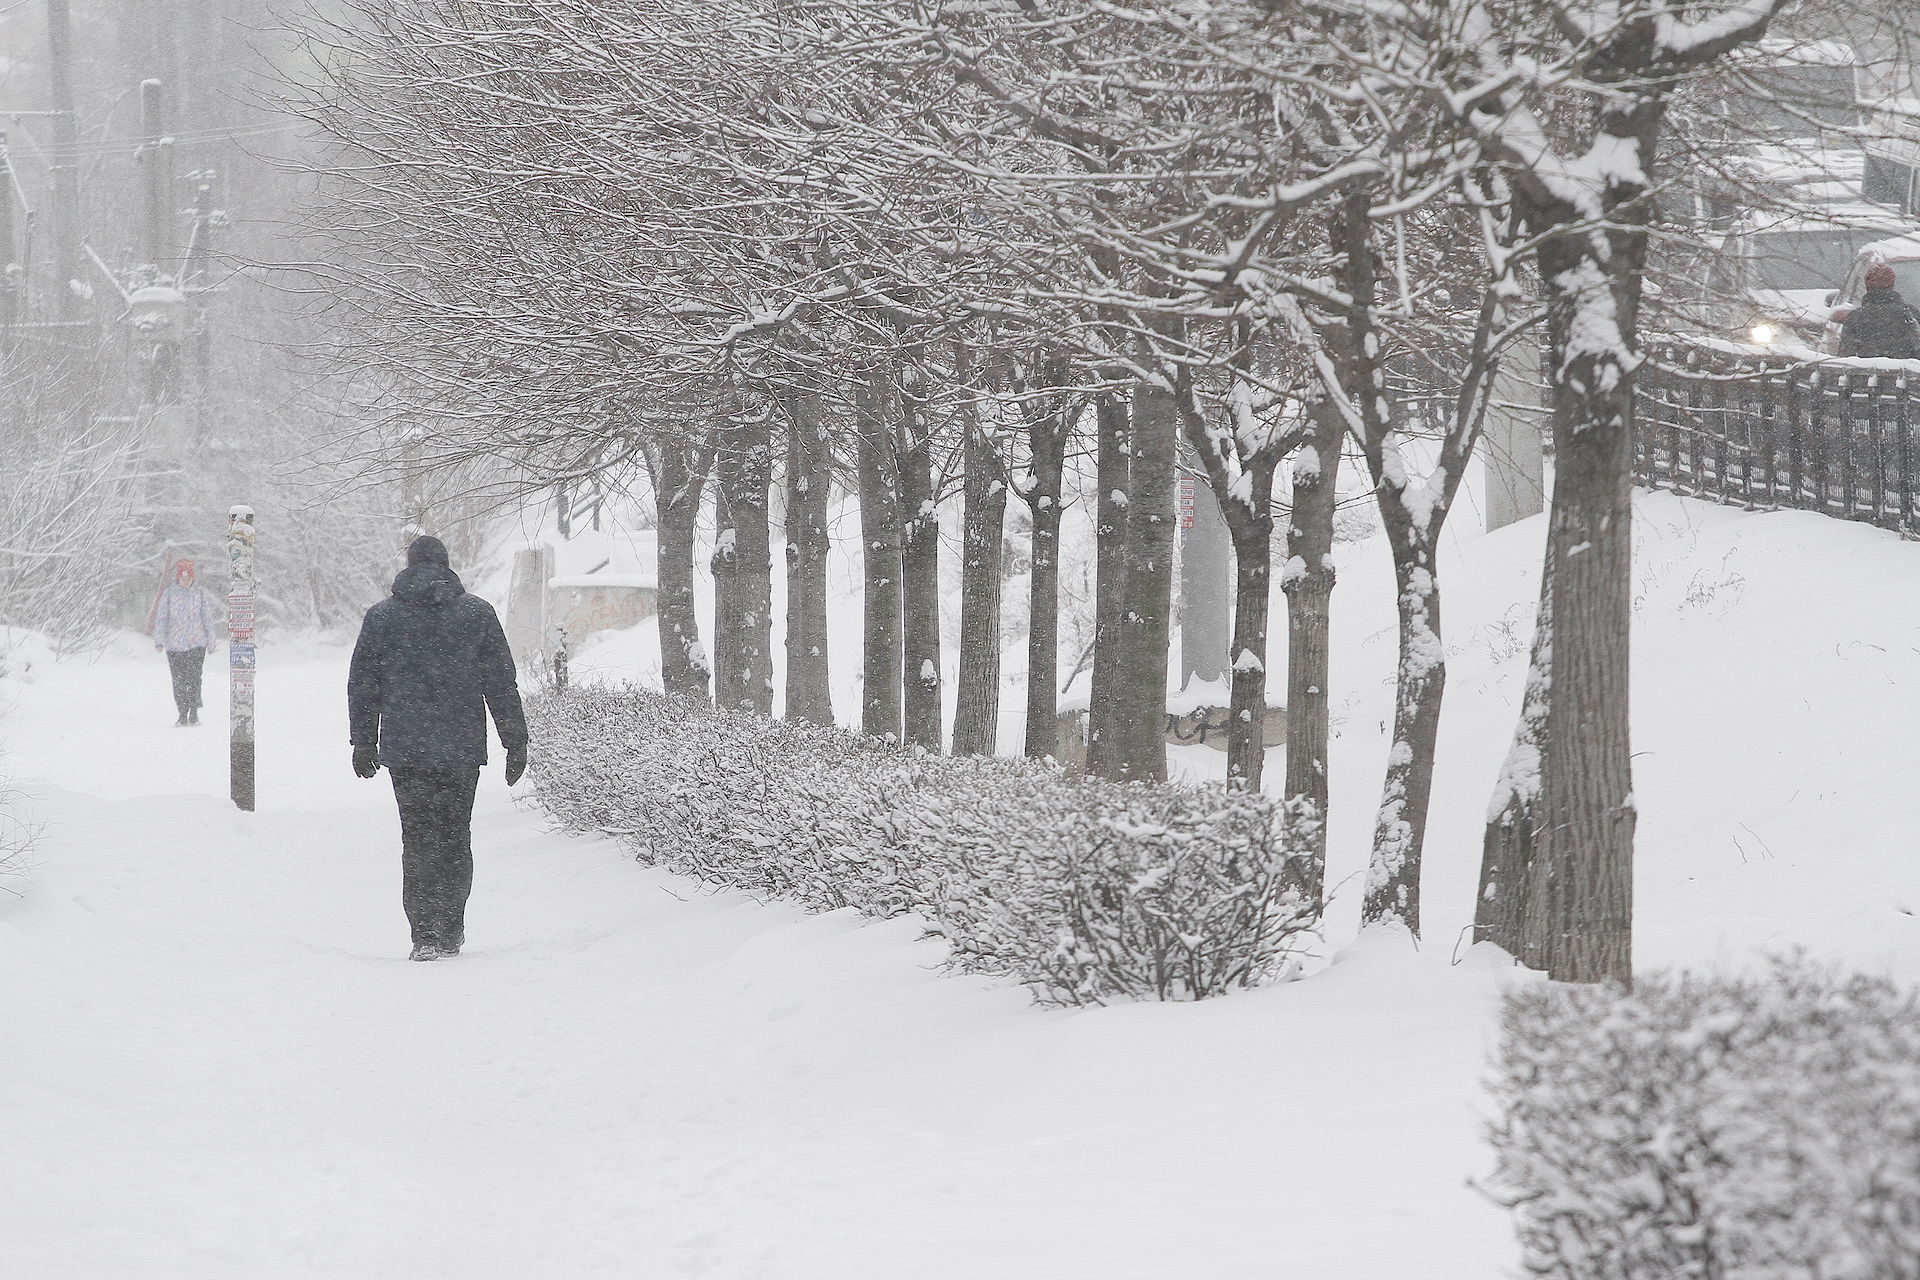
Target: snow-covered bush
x,y
1087,890
1748,1128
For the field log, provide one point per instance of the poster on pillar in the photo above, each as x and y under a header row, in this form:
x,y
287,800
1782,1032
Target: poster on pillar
x,y
242,659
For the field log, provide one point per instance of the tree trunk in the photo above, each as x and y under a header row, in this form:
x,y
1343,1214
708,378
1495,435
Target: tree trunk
x,y
920,582
1400,829
1141,709
1043,633
729,688
1046,448
1253,567
1505,912
1110,583
881,559
1308,582
678,477
744,467
809,694
976,715
1580,891
1586,823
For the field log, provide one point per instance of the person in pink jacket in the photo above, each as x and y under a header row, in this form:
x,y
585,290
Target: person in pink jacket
x,y
184,618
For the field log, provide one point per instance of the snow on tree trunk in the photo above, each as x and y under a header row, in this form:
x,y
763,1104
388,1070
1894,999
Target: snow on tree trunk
x,y
920,584
1308,581
1585,829
743,468
729,668
808,690
1392,892
976,715
1110,582
1246,734
678,478
1141,702
881,561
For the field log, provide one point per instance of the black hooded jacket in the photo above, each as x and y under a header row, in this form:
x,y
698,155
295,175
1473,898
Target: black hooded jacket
x,y
1882,325
431,662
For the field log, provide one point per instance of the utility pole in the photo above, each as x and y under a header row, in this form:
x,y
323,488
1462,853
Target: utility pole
x,y
240,654
192,269
64,163
156,173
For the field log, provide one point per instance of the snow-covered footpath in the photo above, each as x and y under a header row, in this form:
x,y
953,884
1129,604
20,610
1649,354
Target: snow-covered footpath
x,y
216,1062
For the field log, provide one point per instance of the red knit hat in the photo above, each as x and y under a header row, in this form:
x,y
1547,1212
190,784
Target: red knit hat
x,y
1880,276
182,569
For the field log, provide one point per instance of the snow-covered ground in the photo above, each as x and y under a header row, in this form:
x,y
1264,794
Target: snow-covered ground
x,y
216,1062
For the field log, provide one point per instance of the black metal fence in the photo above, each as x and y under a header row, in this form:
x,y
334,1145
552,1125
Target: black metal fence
x,y
1766,433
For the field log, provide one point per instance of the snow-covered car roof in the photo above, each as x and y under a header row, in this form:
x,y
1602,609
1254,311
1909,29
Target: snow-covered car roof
x,y
1901,248
1783,52
1849,215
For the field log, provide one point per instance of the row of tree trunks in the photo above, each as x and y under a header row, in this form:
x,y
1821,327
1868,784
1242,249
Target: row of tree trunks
x,y
809,694
679,474
1112,478
920,579
976,715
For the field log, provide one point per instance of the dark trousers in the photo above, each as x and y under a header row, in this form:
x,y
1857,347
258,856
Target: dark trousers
x,y
436,858
186,665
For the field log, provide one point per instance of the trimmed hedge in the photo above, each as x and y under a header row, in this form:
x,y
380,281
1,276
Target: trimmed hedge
x,y
1745,1128
1087,890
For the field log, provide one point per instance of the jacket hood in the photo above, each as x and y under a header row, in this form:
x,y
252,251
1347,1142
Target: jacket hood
x,y
428,584
1881,296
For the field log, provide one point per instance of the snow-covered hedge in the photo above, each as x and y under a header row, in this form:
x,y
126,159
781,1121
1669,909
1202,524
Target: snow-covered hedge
x,y
1087,890
1753,1129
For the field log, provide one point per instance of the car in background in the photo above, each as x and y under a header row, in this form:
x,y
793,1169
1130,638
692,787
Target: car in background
x,y
1901,252
1774,278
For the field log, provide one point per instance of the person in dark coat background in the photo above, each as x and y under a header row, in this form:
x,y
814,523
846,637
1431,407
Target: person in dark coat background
x,y
431,662
1883,324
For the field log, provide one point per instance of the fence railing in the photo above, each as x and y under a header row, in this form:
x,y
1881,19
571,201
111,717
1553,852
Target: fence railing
x,y
1765,433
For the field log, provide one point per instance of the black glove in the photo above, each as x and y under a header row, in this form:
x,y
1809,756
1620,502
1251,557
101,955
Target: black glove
x,y
366,759
516,763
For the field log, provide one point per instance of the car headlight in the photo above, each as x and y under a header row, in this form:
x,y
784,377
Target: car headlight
x,y
1764,332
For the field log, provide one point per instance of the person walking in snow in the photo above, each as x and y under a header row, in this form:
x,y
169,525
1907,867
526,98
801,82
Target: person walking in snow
x,y
1883,324
183,628
431,662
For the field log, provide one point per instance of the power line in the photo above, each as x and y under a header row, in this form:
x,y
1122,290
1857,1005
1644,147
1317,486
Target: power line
x,y
132,146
